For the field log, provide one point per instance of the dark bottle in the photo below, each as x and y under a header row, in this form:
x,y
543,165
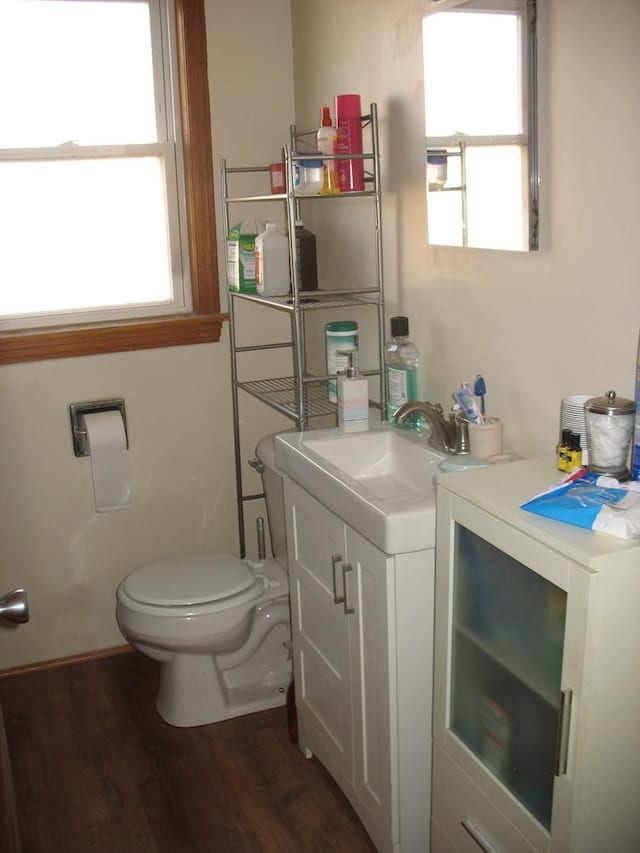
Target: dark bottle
x,y
306,260
574,454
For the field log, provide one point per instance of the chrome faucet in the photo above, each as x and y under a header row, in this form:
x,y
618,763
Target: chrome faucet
x,y
450,435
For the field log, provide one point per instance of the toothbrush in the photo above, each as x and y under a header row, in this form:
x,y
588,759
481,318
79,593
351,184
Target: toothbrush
x,y
468,406
469,388
480,389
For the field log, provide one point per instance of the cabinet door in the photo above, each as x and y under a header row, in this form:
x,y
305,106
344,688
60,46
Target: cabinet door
x,y
510,622
317,552
369,594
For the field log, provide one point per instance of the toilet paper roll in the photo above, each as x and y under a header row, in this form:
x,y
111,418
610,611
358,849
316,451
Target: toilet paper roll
x,y
107,443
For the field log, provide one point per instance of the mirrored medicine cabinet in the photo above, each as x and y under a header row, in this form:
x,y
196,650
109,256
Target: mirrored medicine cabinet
x,y
480,72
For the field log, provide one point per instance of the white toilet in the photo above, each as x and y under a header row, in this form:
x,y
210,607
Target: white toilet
x,y
219,625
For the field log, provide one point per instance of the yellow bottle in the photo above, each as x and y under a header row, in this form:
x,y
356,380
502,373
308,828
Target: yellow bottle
x,y
562,450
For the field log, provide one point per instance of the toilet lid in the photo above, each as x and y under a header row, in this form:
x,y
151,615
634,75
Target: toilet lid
x,y
192,579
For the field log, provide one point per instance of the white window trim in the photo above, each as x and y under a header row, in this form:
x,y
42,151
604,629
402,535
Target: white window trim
x,y
170,152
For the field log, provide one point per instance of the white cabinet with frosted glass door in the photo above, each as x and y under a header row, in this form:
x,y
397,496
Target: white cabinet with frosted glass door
x,y
362,651
536,694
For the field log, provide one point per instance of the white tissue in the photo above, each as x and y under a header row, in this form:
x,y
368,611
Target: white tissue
x,y
107,443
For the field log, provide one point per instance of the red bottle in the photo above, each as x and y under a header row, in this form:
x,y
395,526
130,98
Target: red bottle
x,y
349,127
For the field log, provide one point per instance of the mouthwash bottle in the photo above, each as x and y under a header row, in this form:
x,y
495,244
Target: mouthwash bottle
x,y
401,368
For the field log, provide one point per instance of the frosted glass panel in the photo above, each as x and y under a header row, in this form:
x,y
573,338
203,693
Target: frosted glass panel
x,y
507,663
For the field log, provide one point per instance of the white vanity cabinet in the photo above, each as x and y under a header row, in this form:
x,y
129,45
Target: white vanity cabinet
x,y
362,640
537,693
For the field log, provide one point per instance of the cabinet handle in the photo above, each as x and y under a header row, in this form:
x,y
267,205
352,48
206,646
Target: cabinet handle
x,y
335,559
564,723
346,567
478,837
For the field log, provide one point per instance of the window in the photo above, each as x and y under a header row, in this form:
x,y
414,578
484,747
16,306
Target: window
x,y
106,226
479,108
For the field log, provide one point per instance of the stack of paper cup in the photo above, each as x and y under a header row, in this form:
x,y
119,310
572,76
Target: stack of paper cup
x,y
572,418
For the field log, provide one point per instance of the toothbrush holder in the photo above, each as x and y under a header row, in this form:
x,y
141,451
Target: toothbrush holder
x,y
485,439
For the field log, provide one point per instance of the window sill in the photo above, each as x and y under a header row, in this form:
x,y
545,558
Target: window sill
x,y
97,338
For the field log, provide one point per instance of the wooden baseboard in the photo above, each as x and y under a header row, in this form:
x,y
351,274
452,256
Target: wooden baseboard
x,y
68,661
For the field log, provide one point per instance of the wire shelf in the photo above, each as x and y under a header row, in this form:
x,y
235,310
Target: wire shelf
x,y
281,394
312,301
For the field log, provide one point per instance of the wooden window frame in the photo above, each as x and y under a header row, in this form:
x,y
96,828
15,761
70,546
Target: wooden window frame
x,y
204,323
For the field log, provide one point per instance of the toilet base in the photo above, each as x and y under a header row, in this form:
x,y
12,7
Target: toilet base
x,y
194,692
241,701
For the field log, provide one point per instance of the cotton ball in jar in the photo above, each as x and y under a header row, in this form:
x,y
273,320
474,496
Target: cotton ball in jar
x,y
609,422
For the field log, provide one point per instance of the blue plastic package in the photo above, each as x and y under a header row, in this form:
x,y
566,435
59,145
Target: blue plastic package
x,y
593,502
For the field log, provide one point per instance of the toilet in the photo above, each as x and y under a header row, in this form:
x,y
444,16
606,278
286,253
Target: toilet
x,y
218,625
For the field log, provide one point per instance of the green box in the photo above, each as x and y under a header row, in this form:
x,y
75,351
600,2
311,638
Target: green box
x,y
241,261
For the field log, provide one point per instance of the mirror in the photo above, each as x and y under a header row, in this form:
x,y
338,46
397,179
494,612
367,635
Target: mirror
x,y
481,124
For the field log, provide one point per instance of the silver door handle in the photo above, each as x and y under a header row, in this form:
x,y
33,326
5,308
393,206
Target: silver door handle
x,y
478,837
346,567
14,607
564,723
335,559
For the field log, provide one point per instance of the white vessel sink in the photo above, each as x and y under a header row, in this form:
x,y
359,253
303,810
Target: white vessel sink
x,y
381,482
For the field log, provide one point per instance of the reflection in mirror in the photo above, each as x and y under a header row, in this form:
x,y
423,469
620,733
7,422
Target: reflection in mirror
x,y
481,124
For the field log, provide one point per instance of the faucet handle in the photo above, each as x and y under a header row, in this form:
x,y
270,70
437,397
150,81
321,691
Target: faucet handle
x,y
462,444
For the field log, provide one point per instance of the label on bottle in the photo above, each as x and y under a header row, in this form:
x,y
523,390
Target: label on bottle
x,y
306,260
561,458
277,178
339,345
349,141
402,386
353,404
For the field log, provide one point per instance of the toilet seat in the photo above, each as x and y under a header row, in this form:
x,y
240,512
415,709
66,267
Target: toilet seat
x,y
209,581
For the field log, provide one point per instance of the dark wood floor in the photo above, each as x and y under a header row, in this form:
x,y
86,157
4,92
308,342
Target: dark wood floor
x,y
96,769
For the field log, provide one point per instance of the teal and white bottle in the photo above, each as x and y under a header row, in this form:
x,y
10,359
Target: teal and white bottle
x,y
401,368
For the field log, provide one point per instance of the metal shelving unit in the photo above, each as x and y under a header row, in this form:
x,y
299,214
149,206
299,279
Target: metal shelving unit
x,y
302,395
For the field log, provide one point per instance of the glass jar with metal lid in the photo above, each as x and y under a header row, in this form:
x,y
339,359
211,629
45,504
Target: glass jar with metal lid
x,y
609,422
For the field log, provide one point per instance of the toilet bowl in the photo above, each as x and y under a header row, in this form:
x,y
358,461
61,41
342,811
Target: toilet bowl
x,y
218,625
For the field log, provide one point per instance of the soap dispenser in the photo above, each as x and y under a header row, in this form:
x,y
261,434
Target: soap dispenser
x,y
353,398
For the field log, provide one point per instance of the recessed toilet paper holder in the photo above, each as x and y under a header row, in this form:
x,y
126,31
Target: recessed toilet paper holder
x,y
78,431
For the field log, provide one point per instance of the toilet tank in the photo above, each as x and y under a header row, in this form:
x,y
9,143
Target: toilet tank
x,y
274,498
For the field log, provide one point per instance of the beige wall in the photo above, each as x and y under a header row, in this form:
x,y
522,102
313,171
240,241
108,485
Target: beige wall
x,y
538,326
69,558
564,320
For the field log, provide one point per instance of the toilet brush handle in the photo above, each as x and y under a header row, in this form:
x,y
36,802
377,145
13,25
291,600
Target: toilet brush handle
x,y
261,541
